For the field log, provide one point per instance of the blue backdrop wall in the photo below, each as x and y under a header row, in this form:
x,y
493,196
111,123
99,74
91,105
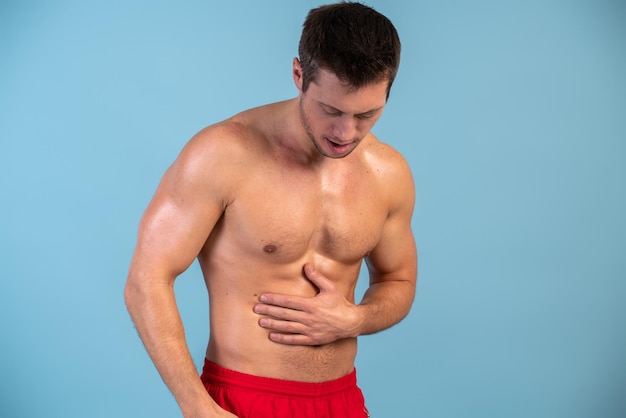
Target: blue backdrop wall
x,y
512,115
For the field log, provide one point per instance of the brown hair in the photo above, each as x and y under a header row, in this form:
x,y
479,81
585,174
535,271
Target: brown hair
x,y
354,41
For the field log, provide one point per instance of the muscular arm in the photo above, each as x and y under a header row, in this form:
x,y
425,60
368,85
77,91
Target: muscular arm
x,y
172,231
392,264
393,272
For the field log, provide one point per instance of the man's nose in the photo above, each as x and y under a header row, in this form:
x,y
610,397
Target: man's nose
x,y
345,129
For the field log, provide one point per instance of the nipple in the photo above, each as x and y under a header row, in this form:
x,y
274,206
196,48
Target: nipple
x,y
270,248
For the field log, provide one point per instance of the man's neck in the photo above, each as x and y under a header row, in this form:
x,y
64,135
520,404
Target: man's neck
x,y
291,139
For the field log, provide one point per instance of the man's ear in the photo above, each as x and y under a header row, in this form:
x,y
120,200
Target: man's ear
x,y
297,73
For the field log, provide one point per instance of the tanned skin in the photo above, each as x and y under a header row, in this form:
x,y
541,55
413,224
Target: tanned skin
x,y
280,205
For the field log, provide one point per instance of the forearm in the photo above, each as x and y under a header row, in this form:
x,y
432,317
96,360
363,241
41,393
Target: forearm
x,y
384,304
156,316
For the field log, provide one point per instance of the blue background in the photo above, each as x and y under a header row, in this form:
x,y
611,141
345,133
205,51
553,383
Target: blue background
x,y
512,115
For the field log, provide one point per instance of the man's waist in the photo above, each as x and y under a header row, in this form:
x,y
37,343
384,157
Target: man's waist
x,y
213,373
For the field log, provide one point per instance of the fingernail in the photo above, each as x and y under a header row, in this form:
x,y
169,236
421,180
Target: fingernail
x,y
263,298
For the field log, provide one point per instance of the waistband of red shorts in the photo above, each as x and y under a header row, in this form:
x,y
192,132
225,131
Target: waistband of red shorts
x,y
217,375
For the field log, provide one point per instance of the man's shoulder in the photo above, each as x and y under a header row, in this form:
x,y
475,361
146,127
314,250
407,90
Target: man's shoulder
x,y
392,173
230,135
232,141
247,135
216,160
386,159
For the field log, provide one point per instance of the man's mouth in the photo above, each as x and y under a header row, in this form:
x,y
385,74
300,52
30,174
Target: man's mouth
x,y
339,148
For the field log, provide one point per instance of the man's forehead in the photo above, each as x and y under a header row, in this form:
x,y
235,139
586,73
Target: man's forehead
x,y
332,92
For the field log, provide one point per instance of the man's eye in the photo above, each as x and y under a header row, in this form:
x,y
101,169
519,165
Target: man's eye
x,y
365,116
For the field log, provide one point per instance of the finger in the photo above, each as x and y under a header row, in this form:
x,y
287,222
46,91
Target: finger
x,y
292,339
291,302
287,327
321,282
281,313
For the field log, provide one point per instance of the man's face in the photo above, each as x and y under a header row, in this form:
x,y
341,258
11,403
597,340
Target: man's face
x,y
337,117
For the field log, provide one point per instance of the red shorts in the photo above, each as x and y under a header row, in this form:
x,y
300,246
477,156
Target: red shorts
x,y
250,396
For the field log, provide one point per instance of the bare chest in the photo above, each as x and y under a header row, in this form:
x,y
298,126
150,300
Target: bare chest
x,y
286,215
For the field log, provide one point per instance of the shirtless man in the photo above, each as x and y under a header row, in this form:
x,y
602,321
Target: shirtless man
x,y
280,205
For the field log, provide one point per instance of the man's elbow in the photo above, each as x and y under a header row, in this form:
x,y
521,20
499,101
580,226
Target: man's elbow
x,y
135,291
144,287
131,292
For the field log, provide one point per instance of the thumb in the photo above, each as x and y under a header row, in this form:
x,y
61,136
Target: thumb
x,y
315,277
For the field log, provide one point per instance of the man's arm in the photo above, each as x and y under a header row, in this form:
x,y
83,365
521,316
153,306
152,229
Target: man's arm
x,y
329,316
172,232
393,270
392,264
